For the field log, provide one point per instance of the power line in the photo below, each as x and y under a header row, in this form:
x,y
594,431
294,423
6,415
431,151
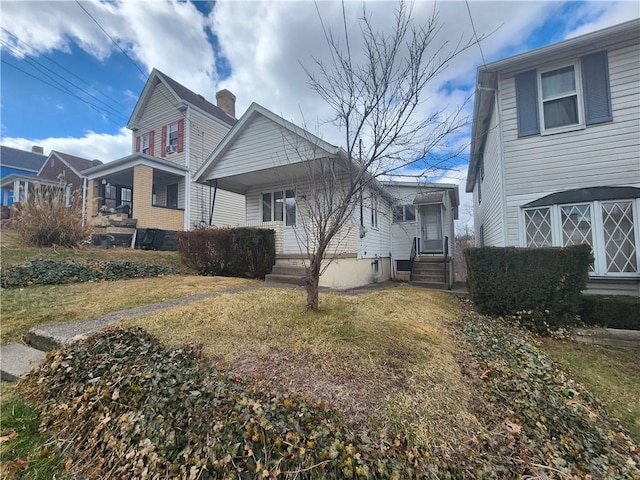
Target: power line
x,y
61,89
21,41
37,65
474,33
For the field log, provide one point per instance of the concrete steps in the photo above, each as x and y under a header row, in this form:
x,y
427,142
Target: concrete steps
x,y
429,272
17,360
288,274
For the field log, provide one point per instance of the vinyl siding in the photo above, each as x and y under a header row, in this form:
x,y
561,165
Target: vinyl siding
x,y
205,134
377,240
603,154
264,144
489,211
294,238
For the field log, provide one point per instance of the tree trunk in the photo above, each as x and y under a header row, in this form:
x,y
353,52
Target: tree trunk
x,y
311,282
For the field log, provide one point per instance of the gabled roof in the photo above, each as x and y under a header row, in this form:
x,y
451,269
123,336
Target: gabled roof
x,y
21,159
487,77
252,112
76,164
180,95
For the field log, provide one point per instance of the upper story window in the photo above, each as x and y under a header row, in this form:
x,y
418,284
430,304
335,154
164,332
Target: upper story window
x,y
559,95
565,97
172,140
146,143
404,213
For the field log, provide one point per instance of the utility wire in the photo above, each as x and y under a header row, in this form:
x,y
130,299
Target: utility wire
x,y
21,41
475,34
62,90
37,65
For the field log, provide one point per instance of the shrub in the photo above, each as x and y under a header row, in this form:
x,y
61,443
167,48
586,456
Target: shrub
x,y
540,286
53,272
45,220
253,252
238,252
613,312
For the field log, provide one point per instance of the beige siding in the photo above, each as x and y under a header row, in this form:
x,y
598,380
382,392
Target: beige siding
x,y
604,154
205,134
264,144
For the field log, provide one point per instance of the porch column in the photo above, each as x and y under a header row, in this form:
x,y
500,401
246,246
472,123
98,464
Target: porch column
x,y
16,191
142,194
90,198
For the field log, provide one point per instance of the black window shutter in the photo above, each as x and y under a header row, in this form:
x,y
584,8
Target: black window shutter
x,y
595,83
527,103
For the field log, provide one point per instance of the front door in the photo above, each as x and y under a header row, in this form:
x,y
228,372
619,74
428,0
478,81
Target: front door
x,y
431,225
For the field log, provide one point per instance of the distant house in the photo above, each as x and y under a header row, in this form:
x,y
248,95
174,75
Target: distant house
x,y
17,167
174,130
555,153
283,171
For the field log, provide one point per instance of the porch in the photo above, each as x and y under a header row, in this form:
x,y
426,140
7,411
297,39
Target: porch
x,y
148,192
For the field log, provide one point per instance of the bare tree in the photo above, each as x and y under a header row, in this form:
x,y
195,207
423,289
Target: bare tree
x,y
379,99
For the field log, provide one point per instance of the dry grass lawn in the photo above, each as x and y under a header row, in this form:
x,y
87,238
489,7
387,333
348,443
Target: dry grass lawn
x,y
24,308
385,357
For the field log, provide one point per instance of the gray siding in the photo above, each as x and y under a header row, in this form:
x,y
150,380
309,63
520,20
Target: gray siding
x,y
603,154
489,212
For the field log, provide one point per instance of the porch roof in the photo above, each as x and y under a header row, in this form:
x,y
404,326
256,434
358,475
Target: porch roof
x,y
130,161
427,198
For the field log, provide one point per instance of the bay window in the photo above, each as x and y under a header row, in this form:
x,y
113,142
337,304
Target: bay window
x,y
610,227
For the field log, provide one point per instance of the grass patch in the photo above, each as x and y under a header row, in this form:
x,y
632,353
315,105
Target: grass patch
x,y
26,308
15,251
385,357
612,374
24,450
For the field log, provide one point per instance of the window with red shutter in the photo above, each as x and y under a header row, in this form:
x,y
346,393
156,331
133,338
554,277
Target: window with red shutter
x,y
180,135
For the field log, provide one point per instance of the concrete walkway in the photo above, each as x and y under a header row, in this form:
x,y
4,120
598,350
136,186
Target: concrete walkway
x,y
17,359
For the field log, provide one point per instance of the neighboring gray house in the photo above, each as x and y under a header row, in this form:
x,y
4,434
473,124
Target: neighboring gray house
x,y
278,167
555,152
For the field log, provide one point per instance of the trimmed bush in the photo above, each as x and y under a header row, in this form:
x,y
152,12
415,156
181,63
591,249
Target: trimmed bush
x,y
236,252
613,312
539,286
53,272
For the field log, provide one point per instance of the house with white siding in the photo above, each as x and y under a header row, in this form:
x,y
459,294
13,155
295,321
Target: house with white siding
x,y
174,131
289,177
555,152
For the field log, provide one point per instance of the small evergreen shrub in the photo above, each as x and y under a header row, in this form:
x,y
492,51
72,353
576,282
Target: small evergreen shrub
x,y
611,311
539,286
53,272
45,220
236,252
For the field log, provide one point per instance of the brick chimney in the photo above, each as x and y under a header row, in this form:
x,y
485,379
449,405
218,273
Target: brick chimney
x,y
227,102
37,149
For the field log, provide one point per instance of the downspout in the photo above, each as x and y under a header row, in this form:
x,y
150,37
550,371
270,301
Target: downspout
x,y
84,201
187,175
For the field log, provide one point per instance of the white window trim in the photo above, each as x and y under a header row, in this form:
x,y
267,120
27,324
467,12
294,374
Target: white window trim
x,y
579,99
404,213
145,137
375,210
169,134
284,207
600,260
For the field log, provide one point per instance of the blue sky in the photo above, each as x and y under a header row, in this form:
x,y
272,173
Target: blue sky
x,y
252,48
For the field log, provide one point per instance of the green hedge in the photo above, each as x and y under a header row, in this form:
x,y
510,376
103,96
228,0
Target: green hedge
x,y
539,286
54,272
612,312
234,252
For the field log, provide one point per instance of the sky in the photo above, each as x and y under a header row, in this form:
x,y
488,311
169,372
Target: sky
x,y
71,72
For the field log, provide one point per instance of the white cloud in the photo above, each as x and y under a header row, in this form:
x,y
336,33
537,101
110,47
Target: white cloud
x,y
92,146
